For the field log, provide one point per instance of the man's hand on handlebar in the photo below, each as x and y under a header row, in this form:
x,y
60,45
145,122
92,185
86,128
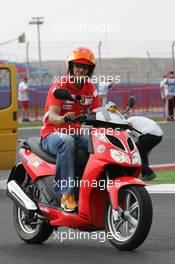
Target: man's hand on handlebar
x,y
69,116
79,118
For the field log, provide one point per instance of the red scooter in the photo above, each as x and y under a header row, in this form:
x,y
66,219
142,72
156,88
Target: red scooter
x,y
110,196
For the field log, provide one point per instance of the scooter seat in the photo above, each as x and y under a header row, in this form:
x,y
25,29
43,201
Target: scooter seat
x,y
35,146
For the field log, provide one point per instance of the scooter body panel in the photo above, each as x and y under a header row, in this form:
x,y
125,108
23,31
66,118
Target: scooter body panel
x,y
116,184
35,166
93,194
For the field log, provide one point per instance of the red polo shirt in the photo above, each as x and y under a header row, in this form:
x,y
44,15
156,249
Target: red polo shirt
x,y
89,99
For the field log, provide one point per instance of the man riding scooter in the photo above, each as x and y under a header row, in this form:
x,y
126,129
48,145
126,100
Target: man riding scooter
x,y
56,135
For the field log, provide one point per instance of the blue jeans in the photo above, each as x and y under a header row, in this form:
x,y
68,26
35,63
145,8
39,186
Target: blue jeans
x,y
63,146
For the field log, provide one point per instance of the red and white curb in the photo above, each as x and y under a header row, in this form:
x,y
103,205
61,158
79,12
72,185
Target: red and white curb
x,y
161,188
160,167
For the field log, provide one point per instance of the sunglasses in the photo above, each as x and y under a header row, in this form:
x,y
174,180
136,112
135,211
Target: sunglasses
x,y
84,66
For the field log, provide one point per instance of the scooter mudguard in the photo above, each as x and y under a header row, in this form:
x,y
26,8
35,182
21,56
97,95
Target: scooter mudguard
x,y
116,184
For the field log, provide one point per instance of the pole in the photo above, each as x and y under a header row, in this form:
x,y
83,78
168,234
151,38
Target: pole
x,y
38,21
39,47
20,38
27,57
27,53
7,42
173,60
99,55
153,63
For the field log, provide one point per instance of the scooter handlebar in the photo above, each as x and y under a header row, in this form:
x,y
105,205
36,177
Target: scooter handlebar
x,y
131,128
80,119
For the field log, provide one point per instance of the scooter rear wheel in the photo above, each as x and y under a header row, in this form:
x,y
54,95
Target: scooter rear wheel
x,y
30,233
128,226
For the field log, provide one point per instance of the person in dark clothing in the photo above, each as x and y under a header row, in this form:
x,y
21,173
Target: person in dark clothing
x,y
151,136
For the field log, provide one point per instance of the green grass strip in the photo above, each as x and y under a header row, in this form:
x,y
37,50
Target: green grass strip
x,y
165,176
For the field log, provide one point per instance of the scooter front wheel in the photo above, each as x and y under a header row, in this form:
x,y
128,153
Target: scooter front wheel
x,y
128,226
30,232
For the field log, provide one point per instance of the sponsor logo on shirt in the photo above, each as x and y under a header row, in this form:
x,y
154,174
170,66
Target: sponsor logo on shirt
x,y
67,106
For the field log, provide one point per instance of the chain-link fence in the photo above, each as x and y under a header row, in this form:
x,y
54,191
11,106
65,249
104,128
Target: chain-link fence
x,y
134,62
129,73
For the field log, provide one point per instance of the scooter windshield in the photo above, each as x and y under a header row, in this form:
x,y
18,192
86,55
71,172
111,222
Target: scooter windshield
x,y
110,114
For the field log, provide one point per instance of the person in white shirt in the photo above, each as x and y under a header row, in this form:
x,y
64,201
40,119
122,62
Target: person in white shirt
x,y
151,136
23,98
168,94
103,88
163,87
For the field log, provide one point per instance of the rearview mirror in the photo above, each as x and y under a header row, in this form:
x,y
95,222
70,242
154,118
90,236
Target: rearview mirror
x,y
131,102
63,94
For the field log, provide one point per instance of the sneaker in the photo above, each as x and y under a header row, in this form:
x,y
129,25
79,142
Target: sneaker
x,y
148,177
170,118
68,202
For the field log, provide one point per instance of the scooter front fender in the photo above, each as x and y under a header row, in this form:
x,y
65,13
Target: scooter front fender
x,y
114,185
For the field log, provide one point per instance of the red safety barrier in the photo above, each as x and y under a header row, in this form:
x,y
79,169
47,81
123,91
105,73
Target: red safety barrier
x,y
148,100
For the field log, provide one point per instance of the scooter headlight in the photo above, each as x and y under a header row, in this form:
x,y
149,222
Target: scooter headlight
x,y
136,158
119,156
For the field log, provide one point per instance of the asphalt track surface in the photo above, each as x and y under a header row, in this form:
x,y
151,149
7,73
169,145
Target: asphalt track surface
x,y
159,246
